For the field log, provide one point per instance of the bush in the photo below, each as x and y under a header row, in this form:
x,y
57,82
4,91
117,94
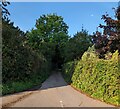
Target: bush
x,y
68,70
97,77
90,54
20,63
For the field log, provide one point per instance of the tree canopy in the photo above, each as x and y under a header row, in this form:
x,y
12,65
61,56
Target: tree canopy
x,y
77,45
49,36
109,41
49,28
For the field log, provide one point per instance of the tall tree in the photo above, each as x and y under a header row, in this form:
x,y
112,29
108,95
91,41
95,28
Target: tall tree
x,y
49,36
77,45
48,28
110,39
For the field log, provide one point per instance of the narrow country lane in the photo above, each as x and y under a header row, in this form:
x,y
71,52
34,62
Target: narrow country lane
x,y
56,93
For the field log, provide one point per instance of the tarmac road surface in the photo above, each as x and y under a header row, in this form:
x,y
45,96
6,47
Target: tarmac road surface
x,y
56,93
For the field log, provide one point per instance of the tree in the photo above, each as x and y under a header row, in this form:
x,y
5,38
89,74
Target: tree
x,y
48,27
109,41
49,36
77,45
5,12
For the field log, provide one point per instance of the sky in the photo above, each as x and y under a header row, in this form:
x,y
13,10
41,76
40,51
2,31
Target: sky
x,y
75,14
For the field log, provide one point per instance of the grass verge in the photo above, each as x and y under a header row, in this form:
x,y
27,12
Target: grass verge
x,y
19,86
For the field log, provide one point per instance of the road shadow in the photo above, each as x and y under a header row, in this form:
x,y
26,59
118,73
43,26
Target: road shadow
x,y
54,81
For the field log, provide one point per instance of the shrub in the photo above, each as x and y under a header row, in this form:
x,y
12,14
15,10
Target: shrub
x,y
68,70
20,63
97,77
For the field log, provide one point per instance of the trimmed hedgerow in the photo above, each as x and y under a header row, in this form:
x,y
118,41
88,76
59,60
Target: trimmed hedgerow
x,y
68,70
97,77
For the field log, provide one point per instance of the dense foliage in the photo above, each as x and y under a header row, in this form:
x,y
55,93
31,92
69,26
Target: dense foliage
x,y
109,41
20,63
49,37
97,77
67,70
77,45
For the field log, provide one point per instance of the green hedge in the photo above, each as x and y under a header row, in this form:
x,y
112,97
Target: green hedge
x,y
22,67
97,77
68,70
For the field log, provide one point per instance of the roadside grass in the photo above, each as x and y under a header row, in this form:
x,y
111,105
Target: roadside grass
x,y
19,86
